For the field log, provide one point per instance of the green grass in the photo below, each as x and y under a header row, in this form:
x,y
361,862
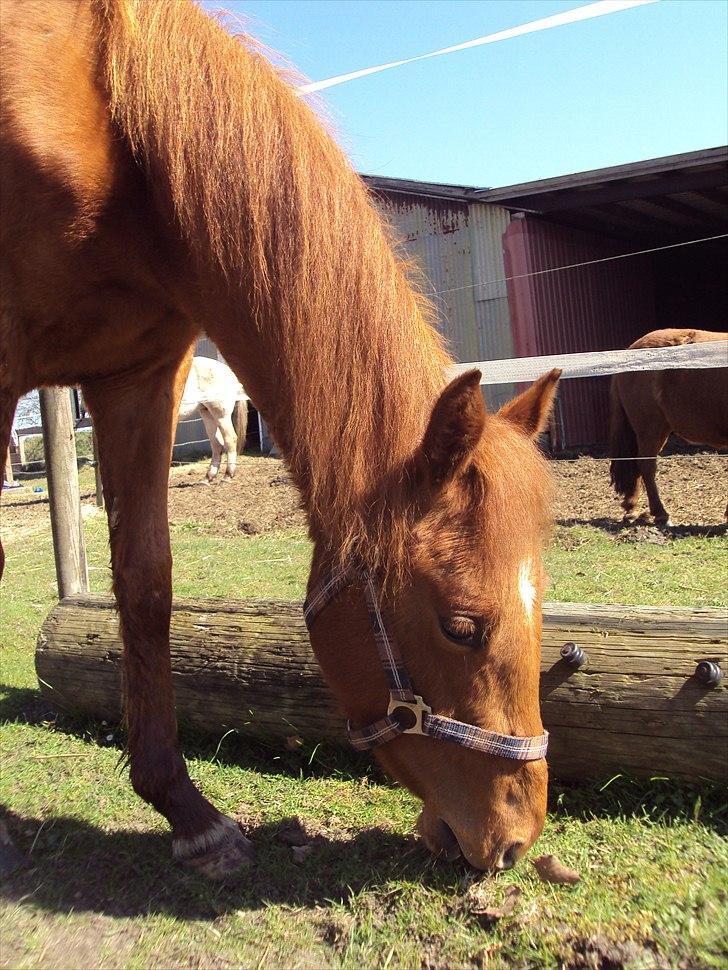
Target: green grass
x,y
587,565
34,446
101,890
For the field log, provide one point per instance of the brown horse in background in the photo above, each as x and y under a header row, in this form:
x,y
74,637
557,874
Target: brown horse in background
x,y
160,176
646,407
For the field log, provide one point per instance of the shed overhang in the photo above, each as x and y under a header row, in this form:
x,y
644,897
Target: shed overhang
x,y
677,197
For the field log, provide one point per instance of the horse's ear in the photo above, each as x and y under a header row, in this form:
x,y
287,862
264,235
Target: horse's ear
x,y
455,426
531,410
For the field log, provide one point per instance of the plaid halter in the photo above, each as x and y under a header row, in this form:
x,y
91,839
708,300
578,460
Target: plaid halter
x,y
407,713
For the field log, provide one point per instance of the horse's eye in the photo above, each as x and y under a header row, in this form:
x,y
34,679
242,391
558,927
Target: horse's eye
x,y
461,629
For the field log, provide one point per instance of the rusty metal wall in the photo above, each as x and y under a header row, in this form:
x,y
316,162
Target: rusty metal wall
x,y
435,234
458,246
488,223
600,307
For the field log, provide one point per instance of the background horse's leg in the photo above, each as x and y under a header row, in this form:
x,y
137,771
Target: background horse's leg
x,y
134,422
650,443
631,497
210,423
240,419
225,424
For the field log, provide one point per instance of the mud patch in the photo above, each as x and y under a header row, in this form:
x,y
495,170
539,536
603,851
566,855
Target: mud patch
x,y
599,953
261,498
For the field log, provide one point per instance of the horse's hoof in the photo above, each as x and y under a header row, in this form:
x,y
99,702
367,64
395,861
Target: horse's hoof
x,y
219,853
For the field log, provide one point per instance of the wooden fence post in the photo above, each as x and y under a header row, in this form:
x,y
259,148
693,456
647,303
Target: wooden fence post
x,y
63,492
97,471
9,468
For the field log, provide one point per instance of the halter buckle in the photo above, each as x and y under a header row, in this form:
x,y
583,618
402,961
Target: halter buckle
x,y
417,707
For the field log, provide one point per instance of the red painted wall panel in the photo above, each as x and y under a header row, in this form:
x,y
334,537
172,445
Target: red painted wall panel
x,y
604,306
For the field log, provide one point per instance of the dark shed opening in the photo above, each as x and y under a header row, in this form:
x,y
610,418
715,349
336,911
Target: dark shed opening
x,y
605,306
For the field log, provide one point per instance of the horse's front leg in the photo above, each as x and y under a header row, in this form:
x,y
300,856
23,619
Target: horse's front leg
x,y
134,423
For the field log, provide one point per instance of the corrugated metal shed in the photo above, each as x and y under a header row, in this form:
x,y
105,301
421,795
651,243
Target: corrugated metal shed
x,y
457,244
679,196
600,307
662,202
435,234
490,295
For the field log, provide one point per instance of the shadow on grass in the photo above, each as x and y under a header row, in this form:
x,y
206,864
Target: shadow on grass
x,y
312,760
657,800
74,866
643,530
23,705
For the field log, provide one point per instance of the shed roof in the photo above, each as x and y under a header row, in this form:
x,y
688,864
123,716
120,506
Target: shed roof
x,y
434,190
676,197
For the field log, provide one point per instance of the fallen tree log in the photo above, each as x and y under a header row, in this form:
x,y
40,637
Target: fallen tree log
x,y
636,704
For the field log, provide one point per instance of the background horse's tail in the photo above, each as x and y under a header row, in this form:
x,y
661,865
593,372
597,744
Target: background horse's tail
x,y
622,445
240,419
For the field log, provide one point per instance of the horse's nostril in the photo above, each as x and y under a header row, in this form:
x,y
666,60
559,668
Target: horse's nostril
x,y
510,856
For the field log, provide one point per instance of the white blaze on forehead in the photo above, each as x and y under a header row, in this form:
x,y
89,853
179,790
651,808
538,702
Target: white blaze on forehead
x,y
526,587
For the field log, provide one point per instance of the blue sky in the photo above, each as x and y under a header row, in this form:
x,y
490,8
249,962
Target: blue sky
x,y
638,84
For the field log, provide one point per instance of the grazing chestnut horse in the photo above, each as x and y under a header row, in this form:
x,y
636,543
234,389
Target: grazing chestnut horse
x,y
160,176
215,393
646,407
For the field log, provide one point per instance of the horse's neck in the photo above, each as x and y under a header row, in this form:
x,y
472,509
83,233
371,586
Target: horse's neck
x,y
345,431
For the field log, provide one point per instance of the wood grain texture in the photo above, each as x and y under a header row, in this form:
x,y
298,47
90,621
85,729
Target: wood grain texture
x,y
64,498
635,706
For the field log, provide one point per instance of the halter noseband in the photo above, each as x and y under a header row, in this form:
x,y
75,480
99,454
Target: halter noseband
x,y
407,713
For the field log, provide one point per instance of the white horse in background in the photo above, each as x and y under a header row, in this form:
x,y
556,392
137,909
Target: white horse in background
x,y
213,391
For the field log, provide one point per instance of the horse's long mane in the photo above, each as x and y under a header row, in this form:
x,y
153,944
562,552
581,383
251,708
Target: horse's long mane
x,y
273,211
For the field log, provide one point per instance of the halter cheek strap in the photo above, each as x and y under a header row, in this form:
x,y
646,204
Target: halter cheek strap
x,y
407,713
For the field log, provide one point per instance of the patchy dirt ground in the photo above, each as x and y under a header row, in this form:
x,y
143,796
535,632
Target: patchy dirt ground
x,y
261,498
694,489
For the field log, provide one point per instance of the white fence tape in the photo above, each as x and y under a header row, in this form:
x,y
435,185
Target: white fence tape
x,y
518,370
522,369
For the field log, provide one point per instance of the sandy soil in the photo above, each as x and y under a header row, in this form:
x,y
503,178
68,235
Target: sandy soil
x,y
261,497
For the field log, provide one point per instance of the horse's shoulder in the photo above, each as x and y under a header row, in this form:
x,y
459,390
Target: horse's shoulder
x,y
54,116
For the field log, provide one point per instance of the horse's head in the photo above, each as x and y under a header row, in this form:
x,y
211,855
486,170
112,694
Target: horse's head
x,y
466,622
